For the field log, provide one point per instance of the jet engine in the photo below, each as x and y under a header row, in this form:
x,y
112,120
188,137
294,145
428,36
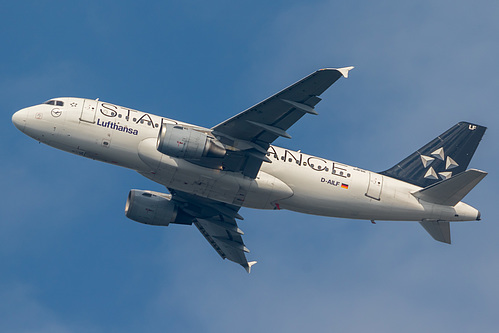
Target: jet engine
x,y
186,142
154,208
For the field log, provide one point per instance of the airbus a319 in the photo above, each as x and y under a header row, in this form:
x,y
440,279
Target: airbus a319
x,y
210,173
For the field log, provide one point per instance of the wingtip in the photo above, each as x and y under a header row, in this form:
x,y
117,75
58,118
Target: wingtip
x,y
344,70
248,266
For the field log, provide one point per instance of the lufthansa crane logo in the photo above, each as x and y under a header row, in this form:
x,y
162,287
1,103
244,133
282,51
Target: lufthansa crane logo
x,y
56,112
438,154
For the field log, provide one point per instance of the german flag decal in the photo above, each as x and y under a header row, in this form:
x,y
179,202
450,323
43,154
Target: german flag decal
x,y
345,186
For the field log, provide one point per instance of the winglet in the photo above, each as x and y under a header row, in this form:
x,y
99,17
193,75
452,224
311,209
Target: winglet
x,y
248,266
344,71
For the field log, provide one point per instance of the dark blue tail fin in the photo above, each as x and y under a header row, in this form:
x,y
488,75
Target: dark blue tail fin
x,y
445,156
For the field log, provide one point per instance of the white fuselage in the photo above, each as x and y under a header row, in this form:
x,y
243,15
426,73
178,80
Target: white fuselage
x,y
293,180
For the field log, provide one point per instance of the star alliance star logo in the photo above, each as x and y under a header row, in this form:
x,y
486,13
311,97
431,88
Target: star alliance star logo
x,y
438,154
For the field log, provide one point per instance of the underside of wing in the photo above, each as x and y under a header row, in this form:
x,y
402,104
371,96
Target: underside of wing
x,y
249,134
217,223
225,237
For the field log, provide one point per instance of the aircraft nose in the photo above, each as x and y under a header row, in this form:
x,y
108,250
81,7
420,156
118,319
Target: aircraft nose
x,y
19,119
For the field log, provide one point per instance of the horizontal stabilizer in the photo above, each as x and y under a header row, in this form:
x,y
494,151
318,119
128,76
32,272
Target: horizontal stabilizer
x,y
450,191
439,230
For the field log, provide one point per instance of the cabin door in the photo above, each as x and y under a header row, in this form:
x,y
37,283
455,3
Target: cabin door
x,y
88,111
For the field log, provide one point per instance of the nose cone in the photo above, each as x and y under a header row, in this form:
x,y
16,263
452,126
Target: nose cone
x,y
19,119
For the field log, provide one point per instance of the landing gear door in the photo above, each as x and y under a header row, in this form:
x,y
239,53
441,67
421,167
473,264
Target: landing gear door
x,y
375,186
88,111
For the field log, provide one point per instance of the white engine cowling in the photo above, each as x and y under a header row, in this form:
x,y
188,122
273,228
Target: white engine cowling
x,y
150,207
186,142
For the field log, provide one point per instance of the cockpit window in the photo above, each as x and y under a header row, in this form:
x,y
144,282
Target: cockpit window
x,y
54,102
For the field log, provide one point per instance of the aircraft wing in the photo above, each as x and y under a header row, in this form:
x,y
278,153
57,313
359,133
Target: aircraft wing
x,y
250,132
217,223
225,237
247,137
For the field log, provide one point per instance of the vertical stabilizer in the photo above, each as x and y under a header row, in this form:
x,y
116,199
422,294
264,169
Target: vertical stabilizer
x,y
447,155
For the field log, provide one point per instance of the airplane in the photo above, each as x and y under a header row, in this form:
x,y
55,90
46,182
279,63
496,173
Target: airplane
x,y
210,173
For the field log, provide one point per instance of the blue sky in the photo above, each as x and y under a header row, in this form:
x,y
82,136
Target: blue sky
x,y
72,262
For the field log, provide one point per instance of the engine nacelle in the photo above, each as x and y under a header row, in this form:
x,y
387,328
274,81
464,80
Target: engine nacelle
x,y
186,142
154,208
